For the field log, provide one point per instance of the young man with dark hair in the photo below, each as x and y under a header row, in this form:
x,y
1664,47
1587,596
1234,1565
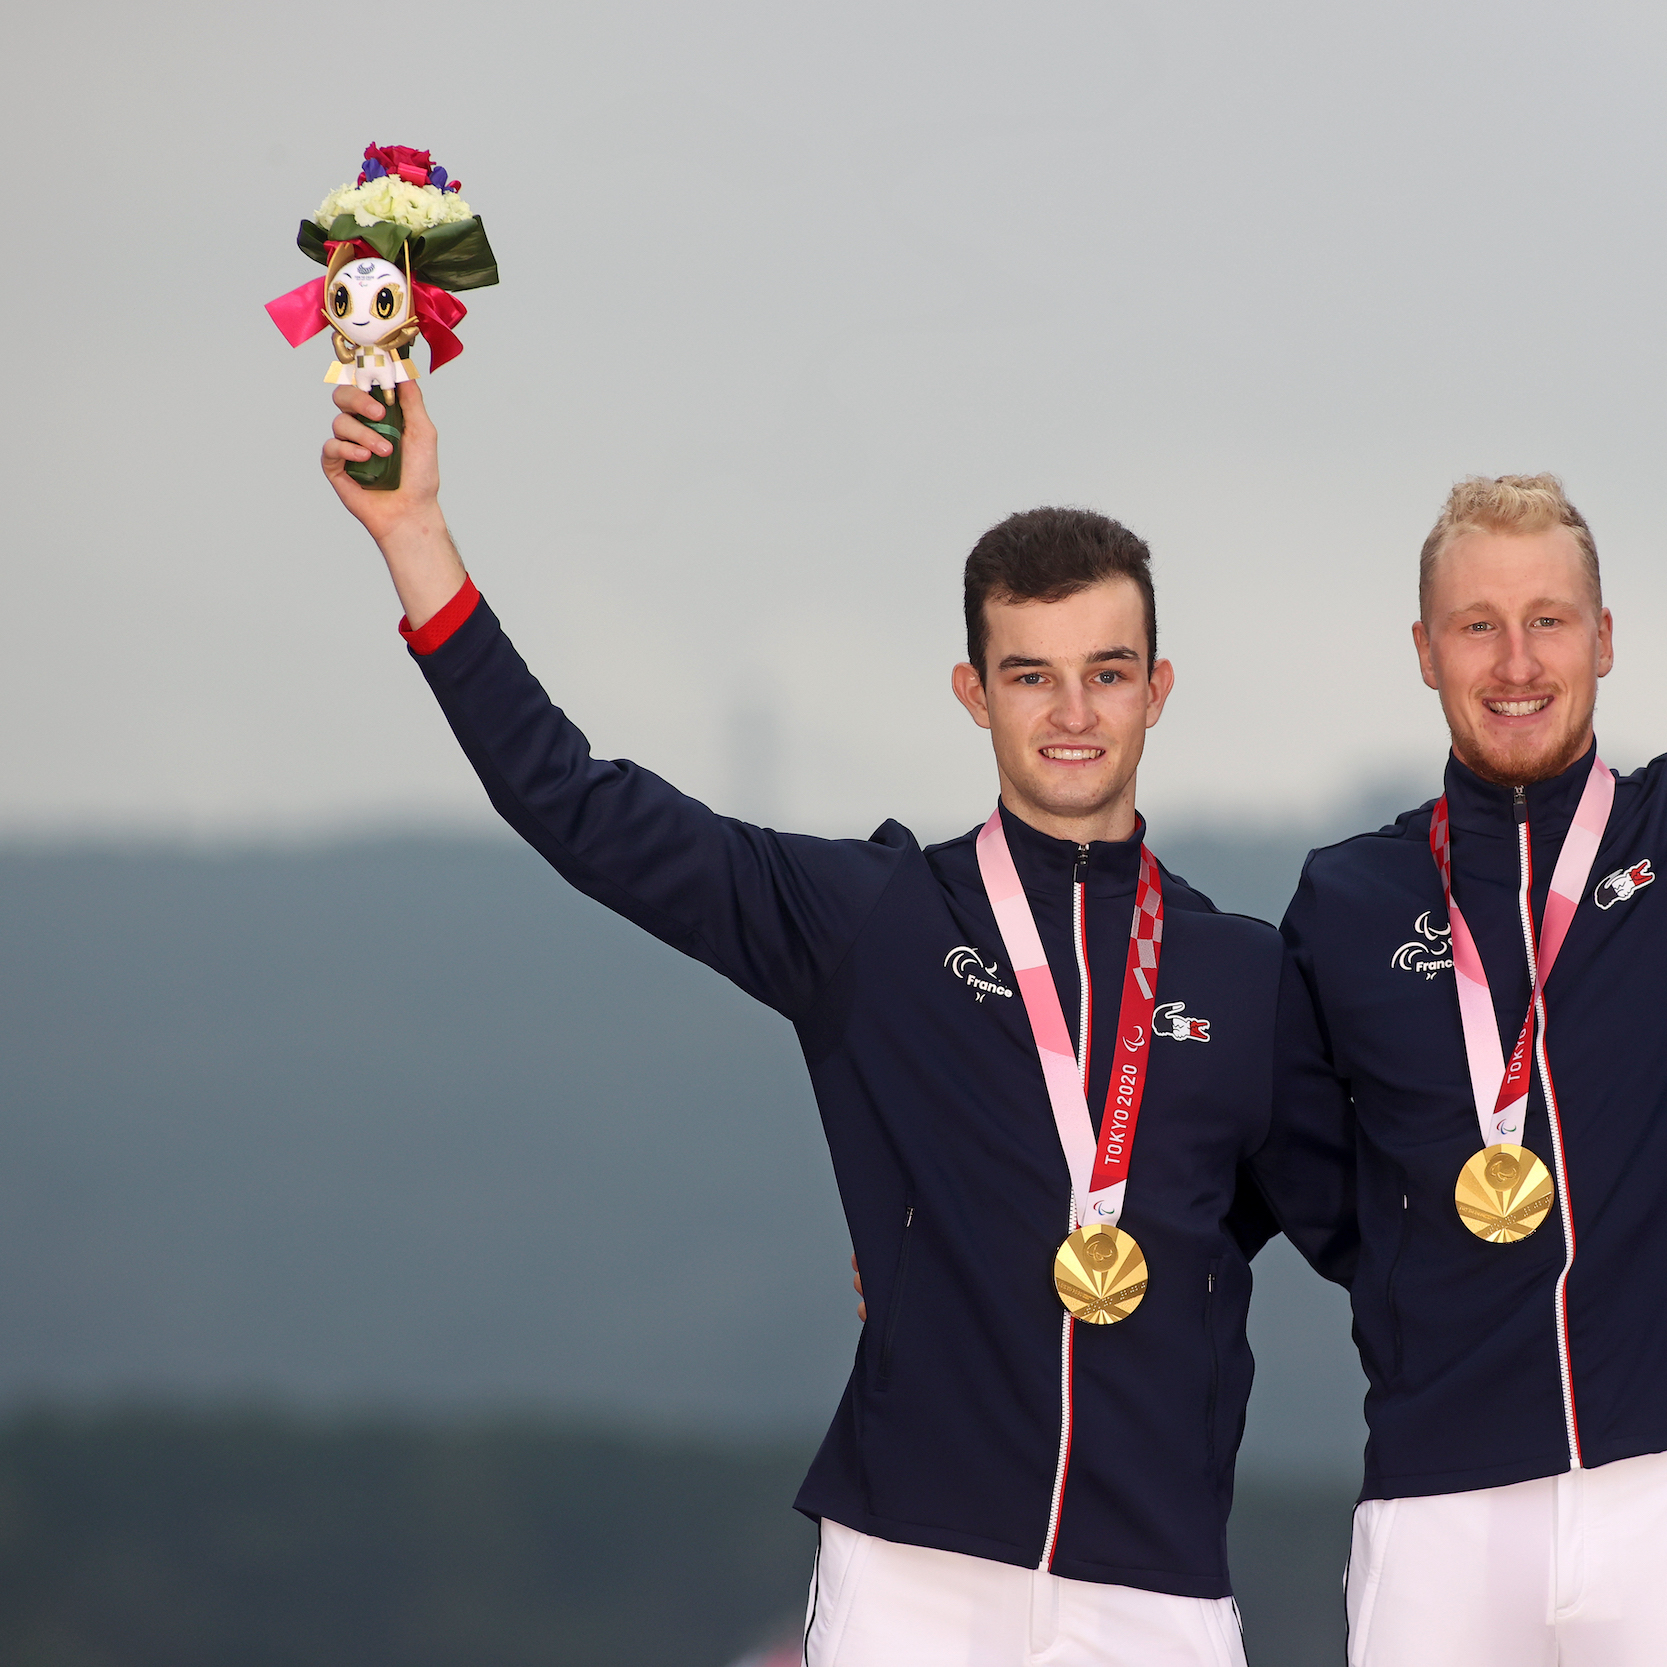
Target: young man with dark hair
x,y
1489,975
1033,1457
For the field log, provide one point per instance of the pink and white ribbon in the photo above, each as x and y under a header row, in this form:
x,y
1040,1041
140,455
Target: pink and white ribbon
x,y
1099,1164
1500,1087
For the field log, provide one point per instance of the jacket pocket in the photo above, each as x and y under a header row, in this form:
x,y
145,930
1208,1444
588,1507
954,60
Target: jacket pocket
x,y
1214,1399
894,1308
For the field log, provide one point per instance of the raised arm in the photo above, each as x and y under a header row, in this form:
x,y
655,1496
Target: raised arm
x,y
407,524
774,912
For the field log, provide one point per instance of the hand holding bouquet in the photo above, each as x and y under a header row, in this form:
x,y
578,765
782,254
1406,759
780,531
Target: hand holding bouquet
x,y
395,246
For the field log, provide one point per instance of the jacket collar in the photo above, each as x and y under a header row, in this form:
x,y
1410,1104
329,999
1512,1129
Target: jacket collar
x,y
1047,865
1477,806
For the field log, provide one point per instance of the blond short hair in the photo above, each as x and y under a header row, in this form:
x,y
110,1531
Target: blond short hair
x,y
1519,504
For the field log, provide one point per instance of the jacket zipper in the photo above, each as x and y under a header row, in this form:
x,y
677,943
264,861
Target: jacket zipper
x,y
1085,1014
899,1275
1215,1366
1525,869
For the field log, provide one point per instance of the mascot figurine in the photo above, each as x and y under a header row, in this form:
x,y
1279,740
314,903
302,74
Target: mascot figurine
x,y
395,245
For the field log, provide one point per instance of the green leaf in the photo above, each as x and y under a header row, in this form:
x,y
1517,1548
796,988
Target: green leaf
x,y
455,256
310,241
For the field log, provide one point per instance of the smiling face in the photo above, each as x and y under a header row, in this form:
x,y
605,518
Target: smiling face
x,y
1514,641
366,299
1067,700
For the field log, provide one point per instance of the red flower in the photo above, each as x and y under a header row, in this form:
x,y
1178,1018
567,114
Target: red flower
x,y
401,161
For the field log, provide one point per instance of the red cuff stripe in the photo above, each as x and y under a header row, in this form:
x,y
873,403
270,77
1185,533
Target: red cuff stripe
x,y
434,632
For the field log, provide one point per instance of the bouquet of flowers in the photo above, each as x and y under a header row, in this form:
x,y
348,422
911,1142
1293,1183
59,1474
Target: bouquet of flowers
x,y
395,245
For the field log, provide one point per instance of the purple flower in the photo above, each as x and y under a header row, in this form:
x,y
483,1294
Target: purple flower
x,y
373,169
438,176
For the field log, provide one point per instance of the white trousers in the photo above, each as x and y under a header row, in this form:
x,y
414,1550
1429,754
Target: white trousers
x,y
876,1604
1567,1571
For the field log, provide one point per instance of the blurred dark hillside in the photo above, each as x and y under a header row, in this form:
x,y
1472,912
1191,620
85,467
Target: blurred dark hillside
x,y
246,1540
384,1123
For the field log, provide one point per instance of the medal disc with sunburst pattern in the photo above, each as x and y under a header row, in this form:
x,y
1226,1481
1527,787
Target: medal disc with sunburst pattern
x,y
1503,1194
1100,1274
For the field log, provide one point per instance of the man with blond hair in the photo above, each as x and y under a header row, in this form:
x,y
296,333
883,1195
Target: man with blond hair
x,y
1489,975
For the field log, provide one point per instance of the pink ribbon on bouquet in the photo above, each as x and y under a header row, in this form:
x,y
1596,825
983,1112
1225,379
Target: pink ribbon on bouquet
x,y
300,313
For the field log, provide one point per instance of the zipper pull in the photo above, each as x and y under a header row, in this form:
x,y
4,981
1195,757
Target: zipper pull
x,y
1079,876
1519,804
909,1219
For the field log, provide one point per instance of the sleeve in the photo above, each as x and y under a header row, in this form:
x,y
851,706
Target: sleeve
x,y
1305,1169
776,913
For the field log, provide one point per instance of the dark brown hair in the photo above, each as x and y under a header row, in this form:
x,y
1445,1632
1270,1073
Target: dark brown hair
x,y
1045,555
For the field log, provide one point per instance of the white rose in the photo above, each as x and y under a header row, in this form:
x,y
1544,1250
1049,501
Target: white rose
x,y
338,202
415,207
375,202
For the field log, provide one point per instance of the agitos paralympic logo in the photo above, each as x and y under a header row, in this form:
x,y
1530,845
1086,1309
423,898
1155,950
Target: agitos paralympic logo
x,y
1429,953
967,964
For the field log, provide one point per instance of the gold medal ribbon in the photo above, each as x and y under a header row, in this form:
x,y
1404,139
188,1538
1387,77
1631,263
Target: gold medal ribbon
x,y
1099,1271
1504,1192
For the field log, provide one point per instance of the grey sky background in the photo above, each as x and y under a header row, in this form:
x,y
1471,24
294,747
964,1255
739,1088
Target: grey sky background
x,y
796,301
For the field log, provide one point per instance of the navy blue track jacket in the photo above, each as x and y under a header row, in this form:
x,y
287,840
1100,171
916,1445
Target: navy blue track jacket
x,y
1475,1379
887,960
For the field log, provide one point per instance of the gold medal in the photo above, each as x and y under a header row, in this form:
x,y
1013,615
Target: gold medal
x,y
1100,1274
1504,1193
